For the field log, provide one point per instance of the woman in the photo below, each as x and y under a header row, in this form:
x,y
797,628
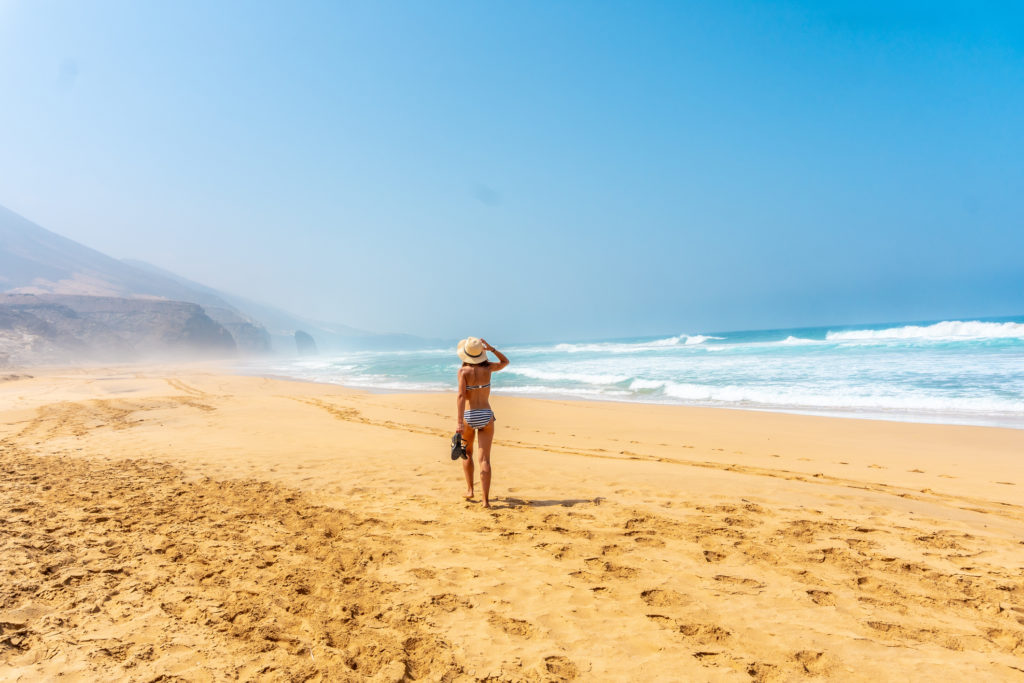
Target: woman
x,y
475,389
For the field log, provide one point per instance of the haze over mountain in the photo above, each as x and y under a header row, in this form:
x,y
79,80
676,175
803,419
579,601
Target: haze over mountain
x,y
64,299
281,324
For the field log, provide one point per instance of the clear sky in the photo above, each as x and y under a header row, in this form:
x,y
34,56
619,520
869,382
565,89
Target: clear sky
x,y
534,170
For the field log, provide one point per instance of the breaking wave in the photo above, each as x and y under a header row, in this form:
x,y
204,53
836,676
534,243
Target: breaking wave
x,y
632,347
583,377
969,372
955,330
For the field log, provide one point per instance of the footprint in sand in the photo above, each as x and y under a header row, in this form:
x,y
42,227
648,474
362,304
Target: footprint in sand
x,y
742,522
739,582
513,627
823,598
596,564
815,662
703,633
561,667
648,541
559,552
658,597
940,540
448,602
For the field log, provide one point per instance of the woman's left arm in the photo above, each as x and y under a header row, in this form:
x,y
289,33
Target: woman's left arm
x,y
502,359
460,403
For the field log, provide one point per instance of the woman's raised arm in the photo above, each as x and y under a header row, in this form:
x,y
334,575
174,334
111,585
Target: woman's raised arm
x,y
502,359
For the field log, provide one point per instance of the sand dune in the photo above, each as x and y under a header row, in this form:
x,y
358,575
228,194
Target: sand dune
x,y
198,526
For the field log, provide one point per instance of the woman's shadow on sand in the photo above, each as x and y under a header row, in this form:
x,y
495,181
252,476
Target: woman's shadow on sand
x,y
514,503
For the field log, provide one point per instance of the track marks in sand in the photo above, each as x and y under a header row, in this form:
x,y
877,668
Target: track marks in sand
x,y
349,414
76,419
352,414
185,388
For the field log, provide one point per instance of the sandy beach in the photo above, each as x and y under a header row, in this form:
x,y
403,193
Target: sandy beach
x,y
181,523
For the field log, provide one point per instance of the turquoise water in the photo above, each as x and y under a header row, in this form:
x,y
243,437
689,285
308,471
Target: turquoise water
x,y
962,372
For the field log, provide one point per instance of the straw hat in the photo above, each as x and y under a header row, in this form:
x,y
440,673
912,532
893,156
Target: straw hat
x,y
471,350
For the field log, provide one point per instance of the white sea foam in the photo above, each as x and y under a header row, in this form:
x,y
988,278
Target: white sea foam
x,y
797,341
839,398
947,330
647,384
683,339
543,390
633,347
367,382
557,376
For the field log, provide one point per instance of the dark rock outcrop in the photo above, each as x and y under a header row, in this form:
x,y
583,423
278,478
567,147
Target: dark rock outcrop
x,y
250,336
305,344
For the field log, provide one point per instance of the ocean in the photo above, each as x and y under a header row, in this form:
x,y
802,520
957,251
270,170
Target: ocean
x,y
954,371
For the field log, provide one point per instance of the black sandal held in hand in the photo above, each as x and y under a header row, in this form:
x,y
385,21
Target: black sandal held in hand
x,y
458,447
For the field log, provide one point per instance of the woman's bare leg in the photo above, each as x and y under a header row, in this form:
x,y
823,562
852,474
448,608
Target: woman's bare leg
x,y
486,438
467,465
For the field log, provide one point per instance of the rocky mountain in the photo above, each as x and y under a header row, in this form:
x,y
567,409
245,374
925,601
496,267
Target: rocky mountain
x,y
62,275
34,260
57,328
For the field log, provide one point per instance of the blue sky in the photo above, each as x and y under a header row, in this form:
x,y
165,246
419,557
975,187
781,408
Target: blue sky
x,y
534,171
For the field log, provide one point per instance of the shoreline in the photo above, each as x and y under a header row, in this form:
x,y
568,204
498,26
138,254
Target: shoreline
x,y
952,419
229,366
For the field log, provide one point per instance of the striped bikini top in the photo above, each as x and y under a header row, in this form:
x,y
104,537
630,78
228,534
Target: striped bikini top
x,y
480,386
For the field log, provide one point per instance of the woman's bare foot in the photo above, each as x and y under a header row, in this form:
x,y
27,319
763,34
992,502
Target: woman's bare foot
x,y
468,495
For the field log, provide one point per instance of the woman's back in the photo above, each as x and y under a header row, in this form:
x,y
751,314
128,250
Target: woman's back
x,y
478,385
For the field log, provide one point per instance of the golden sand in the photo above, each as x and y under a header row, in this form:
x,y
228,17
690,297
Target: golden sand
x,y
200,526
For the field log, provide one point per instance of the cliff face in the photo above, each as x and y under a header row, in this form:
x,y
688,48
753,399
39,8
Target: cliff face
x,y
249,335
60,328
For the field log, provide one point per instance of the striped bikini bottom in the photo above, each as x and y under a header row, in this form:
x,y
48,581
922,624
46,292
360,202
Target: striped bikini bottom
x,y
478,419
